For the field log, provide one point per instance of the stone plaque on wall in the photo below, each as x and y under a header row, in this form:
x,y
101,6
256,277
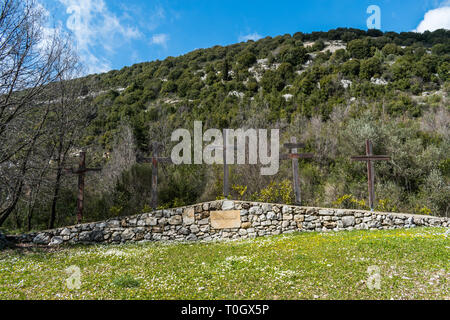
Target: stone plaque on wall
x,y
225,219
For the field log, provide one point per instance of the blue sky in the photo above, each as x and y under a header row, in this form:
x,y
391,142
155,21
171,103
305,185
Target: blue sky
x,y
111,34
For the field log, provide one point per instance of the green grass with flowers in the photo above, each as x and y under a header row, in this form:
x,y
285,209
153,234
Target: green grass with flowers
x,y
413,264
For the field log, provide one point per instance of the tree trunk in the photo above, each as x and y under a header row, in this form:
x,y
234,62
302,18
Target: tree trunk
x,y
5,213
51,225
29,217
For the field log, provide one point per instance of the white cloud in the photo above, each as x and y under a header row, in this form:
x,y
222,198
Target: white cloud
x,y
156,18
94,26
436,19
252,36
160,39
47,31
146,20
94,64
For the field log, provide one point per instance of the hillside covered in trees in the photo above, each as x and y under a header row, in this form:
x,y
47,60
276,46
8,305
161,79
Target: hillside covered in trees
x,y
331,90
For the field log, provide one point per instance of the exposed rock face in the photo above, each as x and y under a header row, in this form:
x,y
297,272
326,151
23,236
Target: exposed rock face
x,y
225,220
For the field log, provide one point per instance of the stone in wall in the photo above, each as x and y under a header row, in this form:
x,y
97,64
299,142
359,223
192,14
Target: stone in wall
x,y
188,216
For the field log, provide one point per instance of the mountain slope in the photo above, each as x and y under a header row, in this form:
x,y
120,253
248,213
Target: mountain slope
x,y
332,90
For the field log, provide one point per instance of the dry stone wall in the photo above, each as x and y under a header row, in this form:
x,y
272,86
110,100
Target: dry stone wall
x,y
226,219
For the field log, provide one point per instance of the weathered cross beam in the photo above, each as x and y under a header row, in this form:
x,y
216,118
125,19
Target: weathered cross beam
x,y
226,170
154,160
369,158
81,171
293,145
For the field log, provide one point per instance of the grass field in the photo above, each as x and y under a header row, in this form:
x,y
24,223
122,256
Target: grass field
x,y
413,264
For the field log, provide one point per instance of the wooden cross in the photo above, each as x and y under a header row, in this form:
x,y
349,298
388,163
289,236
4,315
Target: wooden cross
x,y
81,171
155,160
226,170
293,145
369,158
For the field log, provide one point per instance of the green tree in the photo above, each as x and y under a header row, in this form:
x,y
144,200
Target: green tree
x,y
169,87
370,67
441,49
319,45
225,70
293,55
272,79
246,59
359,48
351,67
390,48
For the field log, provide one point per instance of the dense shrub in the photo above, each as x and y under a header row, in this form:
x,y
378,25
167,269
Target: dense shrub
x,y
293,55
359,48
370,67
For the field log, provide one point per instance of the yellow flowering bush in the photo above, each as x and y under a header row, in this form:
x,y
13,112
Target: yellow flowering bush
x,y
385,205
239,190
425,211
348,201
281,192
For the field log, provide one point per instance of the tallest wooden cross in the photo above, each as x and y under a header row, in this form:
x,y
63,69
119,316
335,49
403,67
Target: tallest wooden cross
x,y
226,171
293,145
154,160
81,171
369,158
